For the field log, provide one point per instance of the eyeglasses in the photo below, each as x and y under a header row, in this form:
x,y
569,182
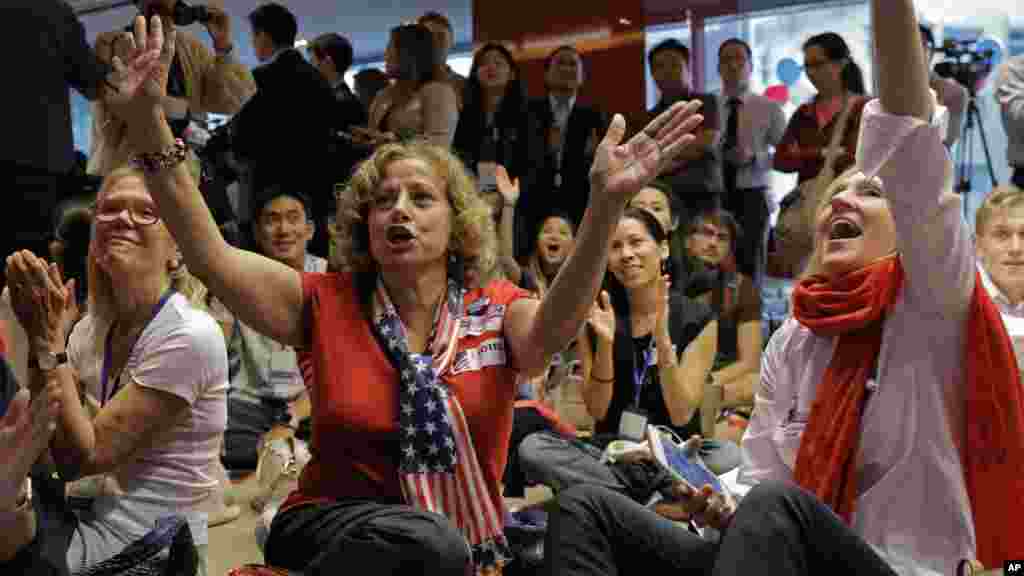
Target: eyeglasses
x,y
816,65
144,217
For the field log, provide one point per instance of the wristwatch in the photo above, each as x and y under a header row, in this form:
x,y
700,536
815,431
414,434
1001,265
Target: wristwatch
x,y
47,361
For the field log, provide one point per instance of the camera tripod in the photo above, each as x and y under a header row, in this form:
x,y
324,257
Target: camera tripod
x,y
965,151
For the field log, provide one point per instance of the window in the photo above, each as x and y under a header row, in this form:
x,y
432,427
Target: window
x,y
653,36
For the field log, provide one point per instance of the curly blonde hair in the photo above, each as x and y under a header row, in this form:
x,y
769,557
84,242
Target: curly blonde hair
x,y
101,286
473,233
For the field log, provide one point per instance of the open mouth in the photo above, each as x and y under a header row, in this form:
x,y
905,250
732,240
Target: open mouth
x,y
843,229
399,235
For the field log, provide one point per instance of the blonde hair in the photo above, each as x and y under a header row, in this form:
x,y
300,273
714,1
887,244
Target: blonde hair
x,y
473,231
102,303
1000,200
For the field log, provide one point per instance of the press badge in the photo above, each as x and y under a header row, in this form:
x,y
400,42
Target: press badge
x,y
633,425
285,378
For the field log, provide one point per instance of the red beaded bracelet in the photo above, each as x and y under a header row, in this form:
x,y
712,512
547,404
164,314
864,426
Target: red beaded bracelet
x,y
157,161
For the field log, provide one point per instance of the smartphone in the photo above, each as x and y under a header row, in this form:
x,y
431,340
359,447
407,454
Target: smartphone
x,y
684,466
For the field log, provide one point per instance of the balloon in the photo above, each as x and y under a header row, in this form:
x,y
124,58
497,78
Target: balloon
x,y
788,71
779,93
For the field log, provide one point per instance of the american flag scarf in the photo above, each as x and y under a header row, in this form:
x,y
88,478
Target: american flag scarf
x,y
439,471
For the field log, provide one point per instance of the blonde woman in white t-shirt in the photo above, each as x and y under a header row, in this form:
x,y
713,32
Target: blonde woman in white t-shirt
x,y
152,360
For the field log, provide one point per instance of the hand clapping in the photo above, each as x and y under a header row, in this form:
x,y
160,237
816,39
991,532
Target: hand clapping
x,y
41,302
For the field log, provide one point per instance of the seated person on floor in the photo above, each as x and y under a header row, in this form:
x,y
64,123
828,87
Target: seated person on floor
x,y
891,389
999,242
414,378
657,198
645,361
152,361
735,300
267,388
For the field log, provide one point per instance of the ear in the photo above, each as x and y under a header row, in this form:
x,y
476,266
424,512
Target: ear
x,y
310,230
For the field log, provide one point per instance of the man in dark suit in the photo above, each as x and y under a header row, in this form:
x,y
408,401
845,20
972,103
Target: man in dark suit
x,y
46,52
284,132
571,131
696,175
332,56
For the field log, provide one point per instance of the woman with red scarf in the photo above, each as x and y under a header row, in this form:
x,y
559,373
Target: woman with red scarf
x,y
887,433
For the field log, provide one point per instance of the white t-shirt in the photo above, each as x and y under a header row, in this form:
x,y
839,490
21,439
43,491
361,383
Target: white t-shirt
x,y
266,368
180,352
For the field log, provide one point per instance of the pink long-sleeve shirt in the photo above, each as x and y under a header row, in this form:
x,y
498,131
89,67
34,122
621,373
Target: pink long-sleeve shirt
x,y
912,505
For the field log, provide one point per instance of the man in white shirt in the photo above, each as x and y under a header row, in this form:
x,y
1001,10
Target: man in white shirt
x,y
267,388
999,231
1010,95
753,125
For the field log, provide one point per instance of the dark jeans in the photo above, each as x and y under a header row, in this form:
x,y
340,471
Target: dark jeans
x,y
525,421
777,529
388,538
750,208
28,214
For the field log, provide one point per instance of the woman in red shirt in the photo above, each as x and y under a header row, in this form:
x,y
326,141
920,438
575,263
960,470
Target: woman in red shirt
x,y
414,376
838,79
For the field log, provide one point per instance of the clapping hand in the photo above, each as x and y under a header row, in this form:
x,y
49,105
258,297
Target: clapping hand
x,y
602,318
621,170
43,305
661,312
25,431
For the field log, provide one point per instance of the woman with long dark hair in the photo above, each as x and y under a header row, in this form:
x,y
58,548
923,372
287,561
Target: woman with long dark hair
x,y
493,124
417,104
839,82
645,355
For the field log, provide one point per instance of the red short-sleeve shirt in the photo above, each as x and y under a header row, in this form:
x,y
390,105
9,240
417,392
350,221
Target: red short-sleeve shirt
x,y
355,392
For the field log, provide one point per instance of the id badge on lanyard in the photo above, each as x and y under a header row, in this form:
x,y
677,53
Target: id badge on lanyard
x,y
284,377
633,423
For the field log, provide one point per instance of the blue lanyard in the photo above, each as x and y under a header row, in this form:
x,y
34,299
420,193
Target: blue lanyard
x,y
107,353
640,373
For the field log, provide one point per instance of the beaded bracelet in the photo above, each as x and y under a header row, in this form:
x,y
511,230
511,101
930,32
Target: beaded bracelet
x,y
156,161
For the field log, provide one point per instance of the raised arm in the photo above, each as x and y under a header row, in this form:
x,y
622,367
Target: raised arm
x,y
265,294
509,191
901,145
899,61
537,331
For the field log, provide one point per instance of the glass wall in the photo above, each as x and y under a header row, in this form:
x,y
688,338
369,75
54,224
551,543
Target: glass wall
x,y
776,37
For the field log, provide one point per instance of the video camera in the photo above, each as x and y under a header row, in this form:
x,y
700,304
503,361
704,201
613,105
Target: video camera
x,y
185,15
964,62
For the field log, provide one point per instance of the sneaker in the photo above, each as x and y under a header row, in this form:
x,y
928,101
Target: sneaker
x,y
672,454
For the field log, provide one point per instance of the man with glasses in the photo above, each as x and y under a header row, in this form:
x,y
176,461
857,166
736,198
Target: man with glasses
x,y
267,389
712,241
